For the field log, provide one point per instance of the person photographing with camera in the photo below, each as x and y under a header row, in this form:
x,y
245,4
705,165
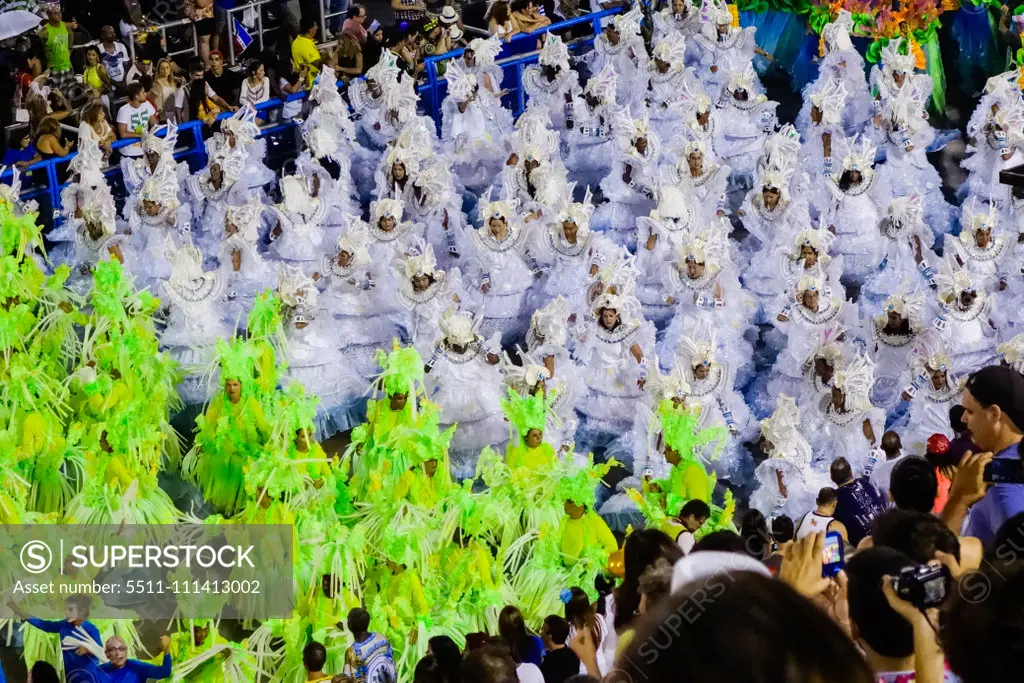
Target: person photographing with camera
x,y
989,486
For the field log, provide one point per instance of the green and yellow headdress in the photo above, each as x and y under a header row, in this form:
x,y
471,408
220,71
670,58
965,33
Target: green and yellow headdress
x,y
526,412
579,485
682,433
401,370
236,359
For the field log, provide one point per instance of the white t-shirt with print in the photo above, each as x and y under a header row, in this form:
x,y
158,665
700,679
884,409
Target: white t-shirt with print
x,y
114,61
135,119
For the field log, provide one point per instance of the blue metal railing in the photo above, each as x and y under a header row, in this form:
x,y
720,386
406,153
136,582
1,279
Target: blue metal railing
x,y
431,95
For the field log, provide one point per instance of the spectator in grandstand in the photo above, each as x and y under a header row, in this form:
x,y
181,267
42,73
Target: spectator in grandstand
x,y
374,44
95,76
165,90
197,101
50,139
859,502
94,115
528,17
201,13
134,118
409,59
256,86
347,57
21,152
114,56
355,24
58,37
224,82
143,66
305,55
290,83
500,21
29,75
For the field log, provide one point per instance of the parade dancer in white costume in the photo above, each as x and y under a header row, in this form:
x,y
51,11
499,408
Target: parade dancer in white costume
x,y
616,347
631,184
212,192
1011,353
933,389
157,216
841,62
196,320
895,74
786,483
473,136
156,150
669,85
709,368
891,335
424,293
242,266
398,164
504,272
981,249
697,180
390,235
432,200
10,193
551,366
746,118
907,170
368,98
853,214
551,84
996,148
325,168
680,17
1001,90
781,150
906,248
298,237
724,49
621,48
845,423
658,239
824,139
571,255
534,178
330,138
598,120
773,217
965,318
314,360
701,283
464,381
241,134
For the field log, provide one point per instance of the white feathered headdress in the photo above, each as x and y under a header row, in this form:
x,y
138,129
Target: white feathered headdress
x,y
419,260
906,210
162,188
744,80
164,146
246,217
855,380
953,280
1012,353
707,247
930,353
909,306
831,100
296,289
88,162
818,239
782,431
554,52
628,23
975,217
459,327
670,49
577,212
837,32
860,157
294,194
385,72
782,149
486,50
894,61
386,208
698,345
353,240
98,208
550,323
462,83
242,125
603,85
496,209
813,282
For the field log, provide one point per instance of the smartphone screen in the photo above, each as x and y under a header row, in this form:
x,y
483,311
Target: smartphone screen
x,y
1005,471
832,557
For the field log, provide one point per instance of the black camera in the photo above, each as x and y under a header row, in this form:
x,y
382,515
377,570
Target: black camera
x,y
923,586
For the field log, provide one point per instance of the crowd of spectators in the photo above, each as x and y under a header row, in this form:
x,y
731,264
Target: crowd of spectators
x,y
59,72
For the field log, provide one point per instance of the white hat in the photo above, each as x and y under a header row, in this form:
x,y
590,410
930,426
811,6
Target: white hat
x,y
448,15
455,33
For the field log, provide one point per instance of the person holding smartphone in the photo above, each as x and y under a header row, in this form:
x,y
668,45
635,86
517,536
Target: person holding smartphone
x,y
993,402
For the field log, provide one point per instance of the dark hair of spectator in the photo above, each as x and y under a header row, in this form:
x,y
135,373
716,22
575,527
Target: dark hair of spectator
x,y
314,656
491,663
356,11
696,507
754,532
875,623
913,484
499,12
557,629
656,582
195,66
427,671
358,621
724,541
93,48
512,628
840,471
580,613
826,496
956,418
48,126
640,551
681,640
43,672
915,534
146,81
134,90
307,24
253,67
92,112
448,657
782,529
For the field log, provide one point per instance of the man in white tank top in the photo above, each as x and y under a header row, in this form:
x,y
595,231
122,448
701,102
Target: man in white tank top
x,y
821,519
